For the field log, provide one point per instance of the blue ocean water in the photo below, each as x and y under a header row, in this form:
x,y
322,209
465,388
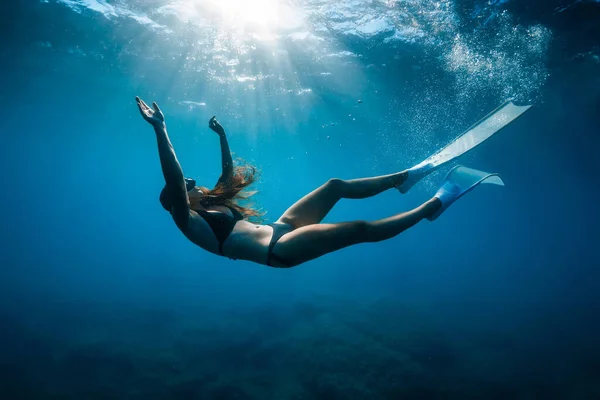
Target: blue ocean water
x,y
102,297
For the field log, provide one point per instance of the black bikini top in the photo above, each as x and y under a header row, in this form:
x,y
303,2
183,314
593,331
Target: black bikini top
x,y
221,224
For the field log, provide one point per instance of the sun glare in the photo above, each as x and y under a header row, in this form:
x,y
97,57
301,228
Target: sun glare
x,y
260,13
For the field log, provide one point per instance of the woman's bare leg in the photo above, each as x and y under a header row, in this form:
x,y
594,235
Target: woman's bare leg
x,y
312,208
313,241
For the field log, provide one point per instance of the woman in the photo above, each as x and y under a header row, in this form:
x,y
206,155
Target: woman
x,y
213,219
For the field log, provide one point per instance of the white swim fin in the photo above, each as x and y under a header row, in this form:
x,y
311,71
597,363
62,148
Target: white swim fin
x,y
459,181
475,135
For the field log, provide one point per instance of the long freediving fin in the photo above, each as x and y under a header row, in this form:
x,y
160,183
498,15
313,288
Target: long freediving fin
x,y
459,181
471,138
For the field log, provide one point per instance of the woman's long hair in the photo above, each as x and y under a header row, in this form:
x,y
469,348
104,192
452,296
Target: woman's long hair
x,y
232,192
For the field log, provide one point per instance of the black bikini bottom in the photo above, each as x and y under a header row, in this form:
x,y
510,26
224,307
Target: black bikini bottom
x,y
279,230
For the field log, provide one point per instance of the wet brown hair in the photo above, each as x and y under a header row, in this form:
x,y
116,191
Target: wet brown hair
x,y
233,193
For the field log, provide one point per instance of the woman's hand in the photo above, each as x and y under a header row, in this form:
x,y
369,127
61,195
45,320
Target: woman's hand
x,y
155,117
216,126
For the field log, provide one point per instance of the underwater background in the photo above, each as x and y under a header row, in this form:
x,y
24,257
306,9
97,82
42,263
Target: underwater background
x,y
101,297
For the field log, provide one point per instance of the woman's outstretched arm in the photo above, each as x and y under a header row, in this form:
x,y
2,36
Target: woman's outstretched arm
x,y
226,160
171,168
